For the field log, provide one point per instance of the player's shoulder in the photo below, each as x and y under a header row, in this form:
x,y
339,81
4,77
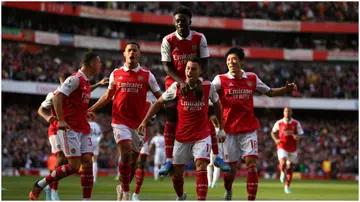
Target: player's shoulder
x,y
197,34
206,83
251,74
295,121
169,36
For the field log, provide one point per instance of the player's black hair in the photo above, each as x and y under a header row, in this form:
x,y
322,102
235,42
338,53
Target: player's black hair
x,y
133,43
183,10
88,57
195,59
237,51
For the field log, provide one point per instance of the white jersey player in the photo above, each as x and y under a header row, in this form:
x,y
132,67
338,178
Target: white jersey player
x,y
159,157
96,136
213,172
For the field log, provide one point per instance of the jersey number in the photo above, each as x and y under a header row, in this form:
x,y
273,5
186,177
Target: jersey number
x,y
207,147
253,144
90,143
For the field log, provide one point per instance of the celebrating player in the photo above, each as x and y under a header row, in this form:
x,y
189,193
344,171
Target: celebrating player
x,y
176,49
289,131
159,156
128,85
236,89
71,104
192,137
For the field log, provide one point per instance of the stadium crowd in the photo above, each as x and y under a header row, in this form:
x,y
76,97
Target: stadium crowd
x,y
26,62
119,30
301,11
25,143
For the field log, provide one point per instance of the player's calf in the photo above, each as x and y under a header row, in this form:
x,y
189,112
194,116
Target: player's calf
x,y
201,179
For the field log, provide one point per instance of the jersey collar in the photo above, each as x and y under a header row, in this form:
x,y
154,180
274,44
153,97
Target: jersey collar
x,y
286,121
83,75
181,38
126,69
232,77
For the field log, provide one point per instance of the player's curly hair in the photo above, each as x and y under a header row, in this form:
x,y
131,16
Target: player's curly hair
x,y
88,57
237,51
183,10
133,43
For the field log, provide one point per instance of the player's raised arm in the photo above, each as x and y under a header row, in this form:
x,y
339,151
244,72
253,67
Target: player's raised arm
x,y
107,97
103,82
288,88
43,110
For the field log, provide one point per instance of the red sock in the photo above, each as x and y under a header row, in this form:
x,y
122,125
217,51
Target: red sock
x,y
169,132
201,185
139,179
54,185
252,183
59,173
125,172
87,180
214,141
289,174
178,184
228,181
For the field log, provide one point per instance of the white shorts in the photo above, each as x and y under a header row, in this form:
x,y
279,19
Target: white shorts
x,y
239,146
159,157
74,144
199,150
55,144
95,143
124,133
145,149
291,157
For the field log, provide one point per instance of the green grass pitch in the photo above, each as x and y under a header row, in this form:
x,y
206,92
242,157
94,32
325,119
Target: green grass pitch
x,y
18,188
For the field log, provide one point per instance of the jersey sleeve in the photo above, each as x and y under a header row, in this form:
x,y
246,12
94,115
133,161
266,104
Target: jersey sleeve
x,y
276,127
69,85
214,97
299,129
152,140
154,86
217,82
111,81
165,51
261,87
204,49
170,93
48,102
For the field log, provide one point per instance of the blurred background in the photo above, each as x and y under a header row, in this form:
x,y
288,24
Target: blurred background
x,y
314,44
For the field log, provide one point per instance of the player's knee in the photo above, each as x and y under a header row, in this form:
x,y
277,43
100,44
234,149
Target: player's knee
x,y
125,157
86,159
201,164
250,161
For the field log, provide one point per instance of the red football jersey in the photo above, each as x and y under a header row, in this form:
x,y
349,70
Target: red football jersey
x,y
236,97
131,86
192,123
77,90
178,50
286,132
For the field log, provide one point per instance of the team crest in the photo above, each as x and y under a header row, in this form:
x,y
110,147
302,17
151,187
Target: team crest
x,y
73,150
140,78
58,146
249,83
194,48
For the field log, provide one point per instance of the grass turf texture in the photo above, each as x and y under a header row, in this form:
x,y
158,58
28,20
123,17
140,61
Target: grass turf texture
x,y
18,188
